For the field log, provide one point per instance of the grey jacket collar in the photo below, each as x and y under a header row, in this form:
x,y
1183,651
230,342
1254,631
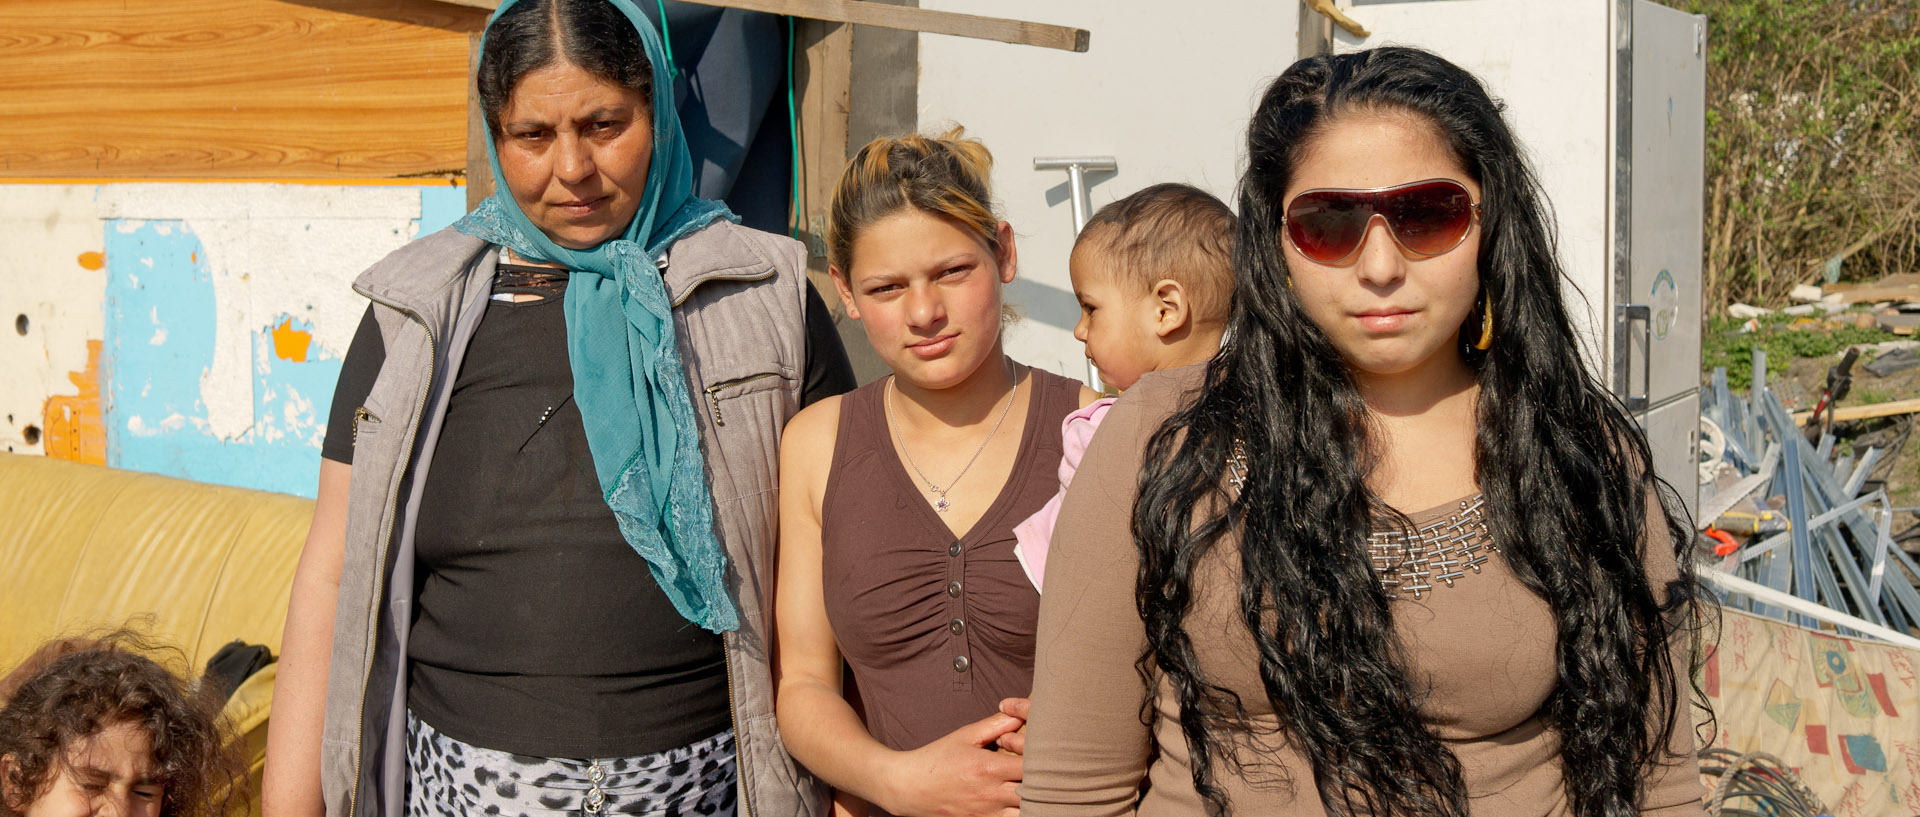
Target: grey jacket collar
x,y
418,278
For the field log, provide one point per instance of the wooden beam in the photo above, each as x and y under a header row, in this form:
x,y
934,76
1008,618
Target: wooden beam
x,y
1339,18
908,18
1898,287
1867,412
823,82
479,170
886,82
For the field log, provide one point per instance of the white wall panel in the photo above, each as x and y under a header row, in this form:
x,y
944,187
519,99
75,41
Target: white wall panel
x,y
1166,89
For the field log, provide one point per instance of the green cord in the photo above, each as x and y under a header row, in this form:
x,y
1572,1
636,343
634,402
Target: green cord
x,y
793,137
666,40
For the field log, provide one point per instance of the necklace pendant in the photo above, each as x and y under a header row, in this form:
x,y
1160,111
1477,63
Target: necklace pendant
x,y
941,505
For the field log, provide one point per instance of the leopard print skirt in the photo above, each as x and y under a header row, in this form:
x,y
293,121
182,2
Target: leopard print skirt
x,y
448,777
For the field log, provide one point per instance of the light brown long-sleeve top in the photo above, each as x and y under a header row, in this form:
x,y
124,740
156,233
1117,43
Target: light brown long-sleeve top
x,y
1485,645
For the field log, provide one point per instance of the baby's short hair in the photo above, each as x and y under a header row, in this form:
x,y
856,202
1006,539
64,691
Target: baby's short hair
x,y
1169,230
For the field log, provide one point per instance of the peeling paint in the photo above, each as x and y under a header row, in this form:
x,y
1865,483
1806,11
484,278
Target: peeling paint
x,y
75,427
138,426
294,393
147,382
57,299
290,343
213,318
440,207
167,411
269,251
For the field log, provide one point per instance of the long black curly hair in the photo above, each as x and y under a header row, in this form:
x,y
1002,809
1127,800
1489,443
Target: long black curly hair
x,y
1565,472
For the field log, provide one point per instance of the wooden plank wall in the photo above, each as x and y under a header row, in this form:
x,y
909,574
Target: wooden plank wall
x,y
230,89
823,71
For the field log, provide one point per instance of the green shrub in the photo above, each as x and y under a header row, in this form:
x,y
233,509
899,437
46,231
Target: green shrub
x,y
1811,148
1723,344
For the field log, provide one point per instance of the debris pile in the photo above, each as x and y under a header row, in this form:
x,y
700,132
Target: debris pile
x,y
1892,304
1800,518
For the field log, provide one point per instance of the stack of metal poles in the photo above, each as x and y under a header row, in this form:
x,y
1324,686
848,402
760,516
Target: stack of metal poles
x,y
1831,543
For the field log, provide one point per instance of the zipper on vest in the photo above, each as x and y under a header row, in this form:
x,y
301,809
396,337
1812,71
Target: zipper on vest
x,y
380,559
713,392
762,275
361,415
739,737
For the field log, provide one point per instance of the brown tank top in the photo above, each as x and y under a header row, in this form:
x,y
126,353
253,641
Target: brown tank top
x,y
936,630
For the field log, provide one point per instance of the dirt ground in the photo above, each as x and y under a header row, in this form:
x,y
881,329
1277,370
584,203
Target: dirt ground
x,y
1800,389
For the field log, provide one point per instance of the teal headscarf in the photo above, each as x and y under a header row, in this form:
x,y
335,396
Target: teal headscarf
x,y
627,375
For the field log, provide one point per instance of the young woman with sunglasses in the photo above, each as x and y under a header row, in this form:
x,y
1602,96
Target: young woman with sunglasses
x,y
1395,551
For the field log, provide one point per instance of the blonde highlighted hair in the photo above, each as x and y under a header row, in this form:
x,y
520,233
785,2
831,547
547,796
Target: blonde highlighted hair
x,y
945,176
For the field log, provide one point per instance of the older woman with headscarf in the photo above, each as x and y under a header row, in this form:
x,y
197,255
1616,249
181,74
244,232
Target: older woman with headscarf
x,y
538,572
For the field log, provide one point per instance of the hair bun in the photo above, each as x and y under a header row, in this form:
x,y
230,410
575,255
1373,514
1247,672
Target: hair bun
x,y
949,176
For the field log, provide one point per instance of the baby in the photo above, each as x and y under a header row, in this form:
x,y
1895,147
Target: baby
x,y
1154,275
93,728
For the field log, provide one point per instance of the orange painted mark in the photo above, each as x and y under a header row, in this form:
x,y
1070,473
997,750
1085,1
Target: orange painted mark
x,y
290,343
75,428
93,260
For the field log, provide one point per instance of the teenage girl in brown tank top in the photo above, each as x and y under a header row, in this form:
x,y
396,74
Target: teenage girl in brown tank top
x,y
898,502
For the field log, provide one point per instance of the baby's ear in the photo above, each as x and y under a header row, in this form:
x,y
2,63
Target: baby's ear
x,y
1172,309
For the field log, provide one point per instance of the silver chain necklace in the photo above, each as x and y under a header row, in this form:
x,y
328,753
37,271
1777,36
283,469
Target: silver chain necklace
x,y
942,505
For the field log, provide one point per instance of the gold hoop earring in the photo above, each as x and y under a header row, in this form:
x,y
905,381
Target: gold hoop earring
x,y
1486,325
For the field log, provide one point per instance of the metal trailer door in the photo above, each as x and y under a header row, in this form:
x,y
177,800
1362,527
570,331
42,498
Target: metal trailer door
x,y
1657,296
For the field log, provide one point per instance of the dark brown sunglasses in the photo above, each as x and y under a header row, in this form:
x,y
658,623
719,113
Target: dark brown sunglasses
x,y
1428,218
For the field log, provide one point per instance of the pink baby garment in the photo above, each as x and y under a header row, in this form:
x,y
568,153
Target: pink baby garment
x,y
1033,535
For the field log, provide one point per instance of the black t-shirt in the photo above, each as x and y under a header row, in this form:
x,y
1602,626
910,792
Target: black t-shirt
x,y
537,629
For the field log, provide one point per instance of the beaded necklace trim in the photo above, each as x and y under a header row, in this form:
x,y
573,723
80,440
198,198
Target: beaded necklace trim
x,y
1411,561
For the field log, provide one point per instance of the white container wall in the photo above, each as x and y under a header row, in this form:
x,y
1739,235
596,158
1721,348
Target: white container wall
x,y
1165,90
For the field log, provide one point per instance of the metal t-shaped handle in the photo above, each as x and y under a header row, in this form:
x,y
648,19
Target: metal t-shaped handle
x,y
1077,167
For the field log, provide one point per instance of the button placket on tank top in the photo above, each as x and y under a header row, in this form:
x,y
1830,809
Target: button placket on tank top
x,y
957,640
883,543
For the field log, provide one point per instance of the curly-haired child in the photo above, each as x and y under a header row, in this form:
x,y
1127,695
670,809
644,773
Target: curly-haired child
x,y
94,727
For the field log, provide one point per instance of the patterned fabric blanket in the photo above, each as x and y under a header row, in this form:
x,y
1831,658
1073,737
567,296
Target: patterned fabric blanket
x,y
1844,714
